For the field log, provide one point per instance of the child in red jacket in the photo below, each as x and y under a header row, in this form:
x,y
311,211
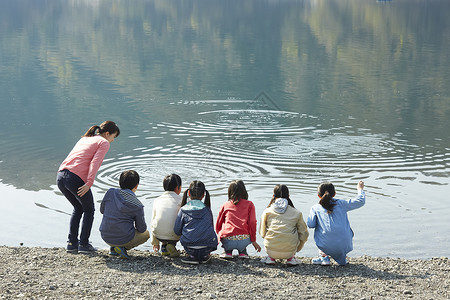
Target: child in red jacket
x,y
236,223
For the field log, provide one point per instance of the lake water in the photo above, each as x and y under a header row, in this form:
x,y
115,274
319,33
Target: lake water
x,y
266,91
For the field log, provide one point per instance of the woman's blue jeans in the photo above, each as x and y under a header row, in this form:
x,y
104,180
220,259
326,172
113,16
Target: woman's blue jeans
x,y
68,183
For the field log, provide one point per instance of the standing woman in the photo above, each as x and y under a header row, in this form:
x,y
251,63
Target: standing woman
x,y
76,176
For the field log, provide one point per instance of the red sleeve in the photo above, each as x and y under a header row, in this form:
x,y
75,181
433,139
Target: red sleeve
x,y
220,220
252,222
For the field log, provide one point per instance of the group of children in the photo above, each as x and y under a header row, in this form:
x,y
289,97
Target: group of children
x,y
189,219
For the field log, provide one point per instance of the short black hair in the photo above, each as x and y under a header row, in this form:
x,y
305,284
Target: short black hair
x,y
171,182
129,179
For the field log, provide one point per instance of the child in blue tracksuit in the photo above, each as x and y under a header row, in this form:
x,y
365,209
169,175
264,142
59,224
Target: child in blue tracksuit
x,y
195,224
332,232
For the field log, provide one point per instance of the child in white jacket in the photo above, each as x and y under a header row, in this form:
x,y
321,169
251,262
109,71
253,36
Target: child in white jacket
x,y
164,214
283,228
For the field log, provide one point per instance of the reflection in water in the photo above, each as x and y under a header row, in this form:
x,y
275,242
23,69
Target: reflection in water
x,y
298,92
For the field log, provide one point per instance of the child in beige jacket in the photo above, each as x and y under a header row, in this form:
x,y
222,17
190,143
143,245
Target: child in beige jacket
x,y
283,228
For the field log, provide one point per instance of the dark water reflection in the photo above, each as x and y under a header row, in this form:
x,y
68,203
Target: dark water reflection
x,y
267,91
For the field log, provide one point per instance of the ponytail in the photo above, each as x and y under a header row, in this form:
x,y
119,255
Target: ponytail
x,y
107,126
184,199
91,131
326,193
207,199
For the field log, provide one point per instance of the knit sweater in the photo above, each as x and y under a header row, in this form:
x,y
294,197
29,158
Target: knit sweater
x,y
86,158
237,219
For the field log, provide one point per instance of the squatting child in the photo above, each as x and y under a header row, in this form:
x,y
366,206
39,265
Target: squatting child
x,y
195,224
283,228
332,232
123,225
164,214
236,222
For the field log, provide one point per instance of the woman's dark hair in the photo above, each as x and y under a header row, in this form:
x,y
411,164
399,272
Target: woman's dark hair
x,y
128,179
107,126
326,193
171,182
237,191
281,191
197,190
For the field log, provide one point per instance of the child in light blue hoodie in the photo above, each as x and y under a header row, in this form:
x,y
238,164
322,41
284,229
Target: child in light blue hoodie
x,y
195,224
332,232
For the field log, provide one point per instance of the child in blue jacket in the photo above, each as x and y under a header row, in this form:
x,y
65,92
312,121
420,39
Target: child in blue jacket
x,y
332,232
123,225
195,224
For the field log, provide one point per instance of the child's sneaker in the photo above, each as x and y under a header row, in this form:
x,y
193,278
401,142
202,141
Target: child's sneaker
x,y
206,259
268,260
226,255
164,251
243,254
292,261
72,248
173,252
321,260
113,252
122,252
190,260
86,249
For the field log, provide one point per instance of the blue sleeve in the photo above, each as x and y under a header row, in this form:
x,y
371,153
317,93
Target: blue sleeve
x,y
354,203
312,219
178,227
105,199
139,221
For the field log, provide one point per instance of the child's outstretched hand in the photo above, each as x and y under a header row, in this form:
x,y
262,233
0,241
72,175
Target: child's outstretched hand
x,y
360,185
257,247
155,248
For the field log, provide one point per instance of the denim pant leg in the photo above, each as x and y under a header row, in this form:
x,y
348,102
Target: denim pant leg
x,y
199,254
239,245
68,184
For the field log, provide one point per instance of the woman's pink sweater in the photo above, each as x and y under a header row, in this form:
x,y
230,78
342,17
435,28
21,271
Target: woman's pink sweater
x,y
86,157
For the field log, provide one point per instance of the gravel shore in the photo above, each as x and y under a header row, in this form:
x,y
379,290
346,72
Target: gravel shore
x,y
51,273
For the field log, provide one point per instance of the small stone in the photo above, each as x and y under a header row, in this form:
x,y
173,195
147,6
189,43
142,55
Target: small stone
x,y
407,292
212,296
76,283
52,288
199,291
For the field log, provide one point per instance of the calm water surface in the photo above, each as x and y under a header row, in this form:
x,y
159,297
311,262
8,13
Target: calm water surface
x,y
269,92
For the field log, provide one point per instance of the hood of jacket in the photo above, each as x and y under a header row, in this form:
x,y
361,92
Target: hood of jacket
x,y
280,205
196,209
126,201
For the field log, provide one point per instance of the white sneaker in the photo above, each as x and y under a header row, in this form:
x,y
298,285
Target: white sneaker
x,y
268,260
226,255
321,260
292,261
